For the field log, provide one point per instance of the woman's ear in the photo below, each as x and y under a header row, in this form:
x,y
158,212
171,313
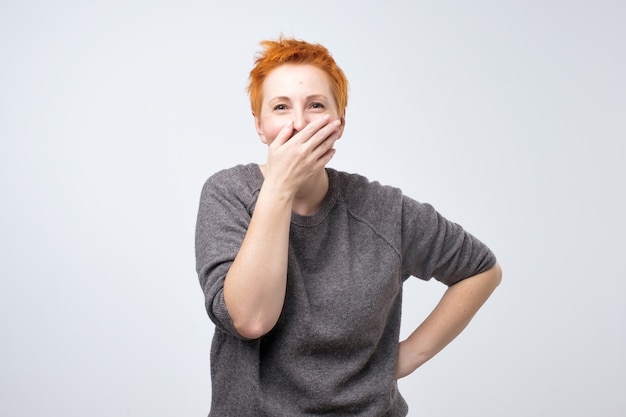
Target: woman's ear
x,y
259,129
343,125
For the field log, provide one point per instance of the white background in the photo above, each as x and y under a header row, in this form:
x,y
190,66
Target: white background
x,y
508,116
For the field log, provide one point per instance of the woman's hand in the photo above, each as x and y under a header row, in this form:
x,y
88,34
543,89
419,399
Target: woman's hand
x,y
404,365
294,158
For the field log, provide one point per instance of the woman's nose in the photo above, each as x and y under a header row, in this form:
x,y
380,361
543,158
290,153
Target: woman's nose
x,y
299,121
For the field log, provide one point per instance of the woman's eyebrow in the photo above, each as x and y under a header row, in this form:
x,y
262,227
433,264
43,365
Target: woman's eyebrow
x,y
280,98
317,96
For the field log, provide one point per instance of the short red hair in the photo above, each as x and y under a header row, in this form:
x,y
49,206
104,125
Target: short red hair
x,y
294,51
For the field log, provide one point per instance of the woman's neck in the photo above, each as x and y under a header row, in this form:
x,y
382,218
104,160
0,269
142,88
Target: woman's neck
x,y
310,196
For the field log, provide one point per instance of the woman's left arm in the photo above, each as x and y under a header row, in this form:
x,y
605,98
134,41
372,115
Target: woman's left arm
x,y
452,314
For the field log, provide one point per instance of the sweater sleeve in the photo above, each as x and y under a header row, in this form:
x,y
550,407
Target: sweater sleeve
x,y
223,218
433,246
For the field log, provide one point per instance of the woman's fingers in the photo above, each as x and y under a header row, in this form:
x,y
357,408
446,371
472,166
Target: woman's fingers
x,y
284,135
297,156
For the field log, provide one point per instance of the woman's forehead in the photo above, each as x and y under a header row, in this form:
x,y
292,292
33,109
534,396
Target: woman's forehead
x,y
291,78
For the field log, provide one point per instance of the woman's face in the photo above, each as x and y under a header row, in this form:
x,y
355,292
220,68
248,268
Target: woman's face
x,y
294,93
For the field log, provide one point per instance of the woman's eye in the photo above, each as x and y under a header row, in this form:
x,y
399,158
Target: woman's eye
x,y
280,107
317,105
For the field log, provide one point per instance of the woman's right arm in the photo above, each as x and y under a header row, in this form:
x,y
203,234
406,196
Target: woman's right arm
x,y
255,285
254,288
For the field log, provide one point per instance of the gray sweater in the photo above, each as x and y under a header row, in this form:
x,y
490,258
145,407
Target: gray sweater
x,y
333,350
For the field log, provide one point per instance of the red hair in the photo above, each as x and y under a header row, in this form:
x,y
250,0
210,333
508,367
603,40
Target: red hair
x,y
294,51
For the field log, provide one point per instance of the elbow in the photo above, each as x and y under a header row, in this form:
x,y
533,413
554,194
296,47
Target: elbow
x,y
498,269
254,321
253,329
495,275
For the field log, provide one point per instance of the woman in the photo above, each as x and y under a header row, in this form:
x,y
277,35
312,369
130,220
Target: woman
x,y
302,266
